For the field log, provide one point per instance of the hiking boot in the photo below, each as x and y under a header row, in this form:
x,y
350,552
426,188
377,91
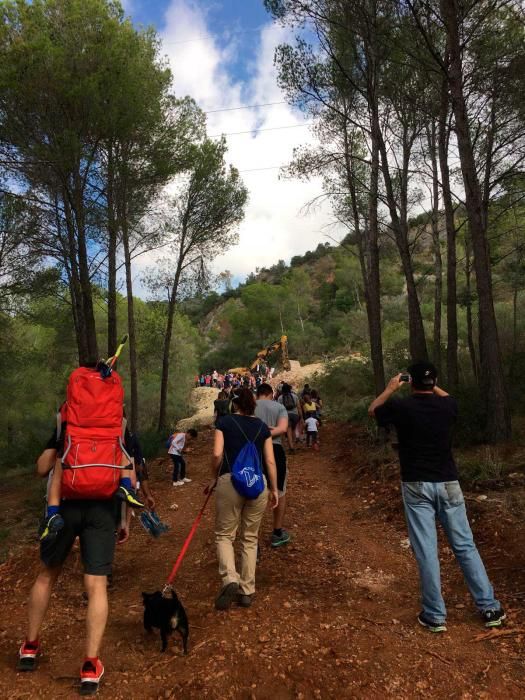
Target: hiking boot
x,y
280,540
243,600
226,596
90,675
494,618
431,625
129,496
50,527
28,656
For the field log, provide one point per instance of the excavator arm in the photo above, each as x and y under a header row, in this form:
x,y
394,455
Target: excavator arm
x,y
281,345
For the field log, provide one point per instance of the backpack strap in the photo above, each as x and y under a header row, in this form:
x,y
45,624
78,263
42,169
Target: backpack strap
x,y
244,434
225,455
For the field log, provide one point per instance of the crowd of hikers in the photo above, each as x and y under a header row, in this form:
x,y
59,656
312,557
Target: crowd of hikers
x,y
96,473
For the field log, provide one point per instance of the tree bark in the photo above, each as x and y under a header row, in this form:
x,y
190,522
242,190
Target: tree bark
x,y
417,341
112,254
163,423
74,283
452,313
83,270
492,380
368,252
373,280
470,333
132,336
438,262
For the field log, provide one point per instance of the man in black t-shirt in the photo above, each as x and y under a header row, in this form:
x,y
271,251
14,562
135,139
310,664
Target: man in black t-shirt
x,y
424,422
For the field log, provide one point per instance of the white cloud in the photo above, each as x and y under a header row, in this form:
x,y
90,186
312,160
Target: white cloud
x,y
274,227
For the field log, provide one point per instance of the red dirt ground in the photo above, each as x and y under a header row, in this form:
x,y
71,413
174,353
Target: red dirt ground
x,y
335,610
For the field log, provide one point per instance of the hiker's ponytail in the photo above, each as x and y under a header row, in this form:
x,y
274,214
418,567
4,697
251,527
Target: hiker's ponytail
x,y
244,400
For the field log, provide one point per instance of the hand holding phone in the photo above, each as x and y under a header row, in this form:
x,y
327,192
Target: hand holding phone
x,y
405,378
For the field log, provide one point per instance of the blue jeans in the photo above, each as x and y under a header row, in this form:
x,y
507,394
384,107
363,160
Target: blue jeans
x,y
424,500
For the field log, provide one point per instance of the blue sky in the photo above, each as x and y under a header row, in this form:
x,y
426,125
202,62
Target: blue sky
x,y
239,20
221,53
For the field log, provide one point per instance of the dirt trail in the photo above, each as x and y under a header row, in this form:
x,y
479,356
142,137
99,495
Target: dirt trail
x,y
334,615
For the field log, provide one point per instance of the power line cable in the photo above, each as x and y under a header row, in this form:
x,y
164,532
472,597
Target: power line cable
x,y
258,131
233,109
270,167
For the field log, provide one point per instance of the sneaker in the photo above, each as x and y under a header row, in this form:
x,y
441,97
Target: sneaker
x,y
186,480
431,625
28,656
279,540
180,482
51,527
243,600
494,618
90,675
226,596
129,496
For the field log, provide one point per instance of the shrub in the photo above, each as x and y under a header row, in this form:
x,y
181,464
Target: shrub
x,y
346,388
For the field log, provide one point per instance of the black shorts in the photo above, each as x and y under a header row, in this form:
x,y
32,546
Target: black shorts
x,y
293,420
94,523
282,471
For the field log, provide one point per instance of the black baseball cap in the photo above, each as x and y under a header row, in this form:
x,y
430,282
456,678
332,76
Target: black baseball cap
x,y
423,374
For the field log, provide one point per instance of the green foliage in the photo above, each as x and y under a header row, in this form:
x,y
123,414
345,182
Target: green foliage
x,y
347,388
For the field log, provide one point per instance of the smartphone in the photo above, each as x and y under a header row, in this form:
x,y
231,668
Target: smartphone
x,y
404,378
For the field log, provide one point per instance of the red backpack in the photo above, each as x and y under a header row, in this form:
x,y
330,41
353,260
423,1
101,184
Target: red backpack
x,y
93,446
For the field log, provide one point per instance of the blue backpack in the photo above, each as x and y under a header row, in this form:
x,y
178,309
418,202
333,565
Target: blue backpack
x,y
246,472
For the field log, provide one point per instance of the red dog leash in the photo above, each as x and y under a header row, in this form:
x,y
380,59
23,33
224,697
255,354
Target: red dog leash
x,y
188,539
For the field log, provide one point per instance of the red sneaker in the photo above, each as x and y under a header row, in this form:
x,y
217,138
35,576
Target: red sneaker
x,y
28,656
90,675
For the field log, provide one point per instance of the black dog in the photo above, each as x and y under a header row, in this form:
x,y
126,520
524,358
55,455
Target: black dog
x,y
167,615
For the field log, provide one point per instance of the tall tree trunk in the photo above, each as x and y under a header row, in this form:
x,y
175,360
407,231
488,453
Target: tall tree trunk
x,y
163,423
132,336
373,280
83,270
452,313
416,330
369,258
112,254
438,262
492,378
74,284
470,333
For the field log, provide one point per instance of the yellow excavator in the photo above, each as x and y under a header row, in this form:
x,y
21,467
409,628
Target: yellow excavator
x,y
263,354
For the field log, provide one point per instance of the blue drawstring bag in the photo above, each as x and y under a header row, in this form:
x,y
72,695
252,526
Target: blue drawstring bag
x,y
246,472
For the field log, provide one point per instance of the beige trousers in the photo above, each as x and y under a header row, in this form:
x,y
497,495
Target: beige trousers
x,y
231,512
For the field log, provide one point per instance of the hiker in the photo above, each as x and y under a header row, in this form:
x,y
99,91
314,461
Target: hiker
x,y
312,427
309,407
54,521
221,405
92,517
134,449
275,416
430,488
177,446
318,404
291,402
306,391
234,512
